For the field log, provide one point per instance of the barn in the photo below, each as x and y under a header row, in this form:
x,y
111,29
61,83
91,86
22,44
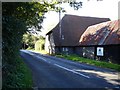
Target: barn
x,y
72,27
102,41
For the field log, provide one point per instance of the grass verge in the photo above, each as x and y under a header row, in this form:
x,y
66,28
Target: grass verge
x,y
18,77
38,51
41,52
26,76
91,62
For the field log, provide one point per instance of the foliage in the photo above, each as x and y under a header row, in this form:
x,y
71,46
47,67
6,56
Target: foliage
x,y
91,62
30,13
18,77
17,17
12,35
42,52
29,40
39,45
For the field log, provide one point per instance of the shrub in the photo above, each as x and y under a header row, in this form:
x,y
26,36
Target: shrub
x,y
39,45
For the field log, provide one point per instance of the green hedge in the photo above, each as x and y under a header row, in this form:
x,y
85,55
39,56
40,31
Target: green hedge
x,y
14,72
39,45
18,77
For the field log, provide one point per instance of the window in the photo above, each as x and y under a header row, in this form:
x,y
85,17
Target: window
x,y
65,49
62,37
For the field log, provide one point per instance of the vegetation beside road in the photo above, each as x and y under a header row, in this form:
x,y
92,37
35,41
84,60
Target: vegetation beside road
x,y
31,41
91,62
85,60
40,51
19,76
17,19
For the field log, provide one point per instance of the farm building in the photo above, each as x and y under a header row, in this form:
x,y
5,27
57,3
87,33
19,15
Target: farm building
x,y
102,41
75,37
72,27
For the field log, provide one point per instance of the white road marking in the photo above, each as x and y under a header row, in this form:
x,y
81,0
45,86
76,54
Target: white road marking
x,y
72,71
42,58
35,56
59,65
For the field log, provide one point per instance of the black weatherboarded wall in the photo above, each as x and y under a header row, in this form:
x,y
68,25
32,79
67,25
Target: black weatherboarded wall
x,y
111,52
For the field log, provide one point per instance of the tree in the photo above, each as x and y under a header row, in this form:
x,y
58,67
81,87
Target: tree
x,y
16,19
39,45
29,40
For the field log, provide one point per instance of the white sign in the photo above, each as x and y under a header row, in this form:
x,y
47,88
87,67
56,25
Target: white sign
x,y
100,51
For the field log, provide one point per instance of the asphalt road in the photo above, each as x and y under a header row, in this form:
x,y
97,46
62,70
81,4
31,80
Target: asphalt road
x,y
53,72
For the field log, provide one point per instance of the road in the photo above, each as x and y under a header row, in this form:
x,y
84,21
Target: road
x,y
53,72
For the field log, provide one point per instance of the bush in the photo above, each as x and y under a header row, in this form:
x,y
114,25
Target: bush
x,y
11,36
39,45
17,17
30,48
18,77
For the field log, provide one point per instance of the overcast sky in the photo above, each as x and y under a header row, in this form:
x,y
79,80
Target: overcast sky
x,y
93,8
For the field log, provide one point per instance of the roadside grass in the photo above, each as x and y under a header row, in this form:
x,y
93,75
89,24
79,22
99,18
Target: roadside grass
x,y
90,61
41,52
37,51
19,77
25,75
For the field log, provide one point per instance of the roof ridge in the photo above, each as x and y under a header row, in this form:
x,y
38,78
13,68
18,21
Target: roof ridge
x,y
86,16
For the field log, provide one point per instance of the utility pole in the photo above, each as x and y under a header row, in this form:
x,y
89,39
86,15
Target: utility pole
x,y
60,30
60,23
76,6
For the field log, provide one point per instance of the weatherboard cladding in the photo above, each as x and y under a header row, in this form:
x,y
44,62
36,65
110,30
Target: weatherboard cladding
x,y
72,28
106,33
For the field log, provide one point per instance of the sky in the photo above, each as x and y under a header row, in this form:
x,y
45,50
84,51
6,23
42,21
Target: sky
x,y
92,8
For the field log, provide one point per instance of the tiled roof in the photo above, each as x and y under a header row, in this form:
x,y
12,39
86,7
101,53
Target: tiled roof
x,y
105,33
